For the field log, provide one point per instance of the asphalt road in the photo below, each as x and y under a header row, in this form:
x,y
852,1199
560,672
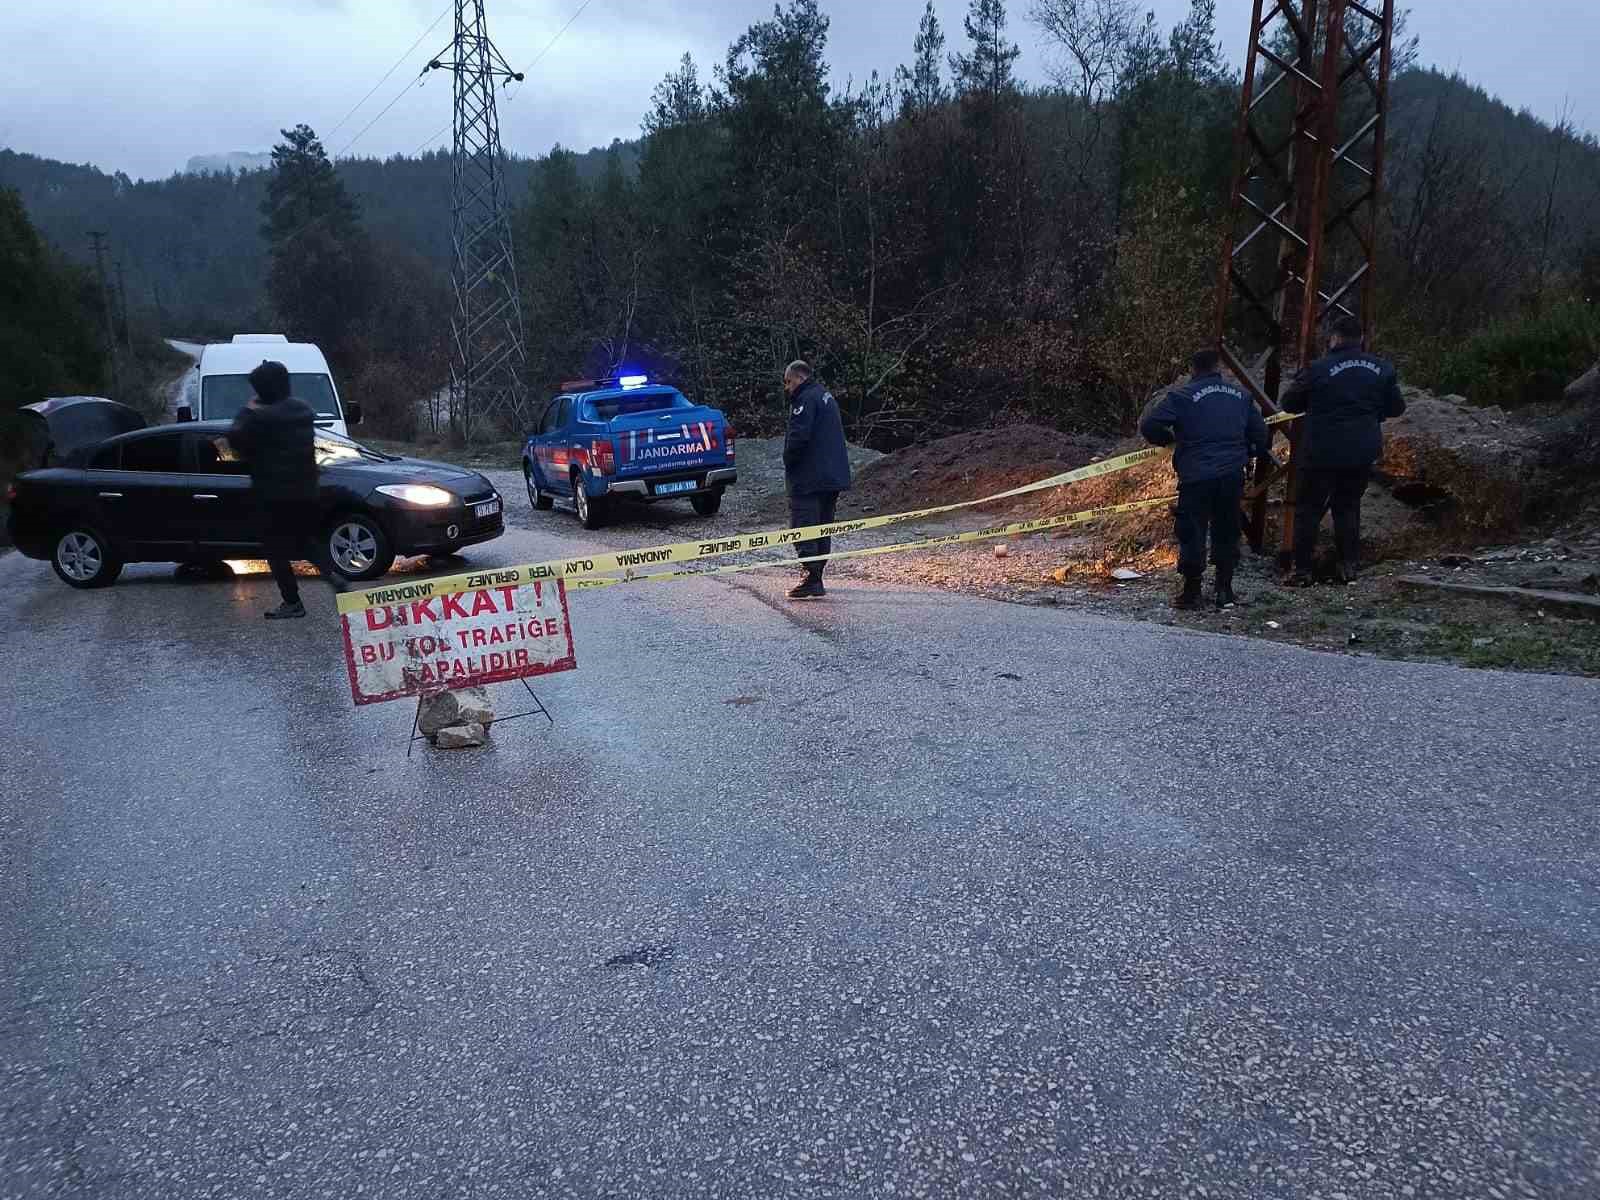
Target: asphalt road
x,y
899,894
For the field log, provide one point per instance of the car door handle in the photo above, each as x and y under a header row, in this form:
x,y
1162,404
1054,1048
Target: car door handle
x,y
111,495
206,496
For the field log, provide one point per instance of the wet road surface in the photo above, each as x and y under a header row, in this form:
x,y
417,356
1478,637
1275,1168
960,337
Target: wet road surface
x,y
899,894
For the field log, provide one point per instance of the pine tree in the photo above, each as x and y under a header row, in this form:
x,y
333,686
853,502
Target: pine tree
x,y
678,100
986,72
319,274
49,341
784,134
921,88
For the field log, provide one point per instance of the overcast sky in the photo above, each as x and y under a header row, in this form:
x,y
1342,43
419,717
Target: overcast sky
x,y
140,87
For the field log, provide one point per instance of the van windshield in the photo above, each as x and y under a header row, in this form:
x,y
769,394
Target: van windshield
x,y
222,396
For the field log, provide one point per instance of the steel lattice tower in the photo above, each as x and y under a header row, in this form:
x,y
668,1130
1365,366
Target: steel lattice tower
x,y
488,358
1309,174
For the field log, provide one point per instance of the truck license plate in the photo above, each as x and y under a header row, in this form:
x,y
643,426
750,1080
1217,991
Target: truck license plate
x,y
683,485
486,509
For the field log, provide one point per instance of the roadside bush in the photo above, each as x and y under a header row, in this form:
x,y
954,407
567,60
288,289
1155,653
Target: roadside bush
x,y
1528,360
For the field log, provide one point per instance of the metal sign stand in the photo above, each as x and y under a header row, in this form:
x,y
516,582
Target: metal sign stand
x,y
537,710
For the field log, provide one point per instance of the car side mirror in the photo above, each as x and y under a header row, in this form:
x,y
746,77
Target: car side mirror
x,y
185,413
352,414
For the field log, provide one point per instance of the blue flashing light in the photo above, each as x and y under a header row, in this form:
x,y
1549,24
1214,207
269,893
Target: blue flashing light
x,y
633,381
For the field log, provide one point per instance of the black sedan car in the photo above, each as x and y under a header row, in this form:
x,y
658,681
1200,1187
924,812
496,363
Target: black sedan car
x,y
179,493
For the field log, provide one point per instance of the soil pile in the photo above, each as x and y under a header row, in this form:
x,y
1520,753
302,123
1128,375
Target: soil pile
x,y
966,466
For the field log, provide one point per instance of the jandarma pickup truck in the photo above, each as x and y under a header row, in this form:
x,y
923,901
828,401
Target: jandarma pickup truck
x,y
604,439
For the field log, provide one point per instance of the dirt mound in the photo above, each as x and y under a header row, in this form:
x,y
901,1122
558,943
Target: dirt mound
x,y
966,466
1451,475
1473,468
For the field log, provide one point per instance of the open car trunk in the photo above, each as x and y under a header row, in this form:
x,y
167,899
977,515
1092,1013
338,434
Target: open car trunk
x,y
54,429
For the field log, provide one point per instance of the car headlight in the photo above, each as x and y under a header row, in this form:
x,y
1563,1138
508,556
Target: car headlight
x,y
420,494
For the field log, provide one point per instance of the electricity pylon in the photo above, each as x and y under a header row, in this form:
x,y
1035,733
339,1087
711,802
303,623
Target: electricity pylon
x,y
487,357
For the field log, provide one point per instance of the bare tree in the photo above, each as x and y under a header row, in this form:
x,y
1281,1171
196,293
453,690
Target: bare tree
x,y
1452,218
1093,36
1551,222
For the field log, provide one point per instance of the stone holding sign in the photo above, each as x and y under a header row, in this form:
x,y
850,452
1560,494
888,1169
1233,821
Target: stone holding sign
x,y
425,641
470,706
456,720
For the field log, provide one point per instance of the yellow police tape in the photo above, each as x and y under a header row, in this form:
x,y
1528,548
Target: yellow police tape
x,y
672,553
1014,529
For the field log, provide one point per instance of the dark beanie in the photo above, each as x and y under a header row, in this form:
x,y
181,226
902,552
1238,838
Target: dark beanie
x,y
271,382
1349,329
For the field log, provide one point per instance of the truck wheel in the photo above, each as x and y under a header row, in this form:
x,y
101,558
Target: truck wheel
x,y
591,513
707,504
84,559
535,497
358,547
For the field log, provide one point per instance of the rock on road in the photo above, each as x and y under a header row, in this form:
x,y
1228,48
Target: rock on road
x,y
898,894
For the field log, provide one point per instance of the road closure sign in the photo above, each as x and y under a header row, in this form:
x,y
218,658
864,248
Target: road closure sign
x,y
417,639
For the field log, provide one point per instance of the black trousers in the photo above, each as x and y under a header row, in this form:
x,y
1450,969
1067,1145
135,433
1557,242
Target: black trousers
x,y
1210,506
1322,487
288,532
813,508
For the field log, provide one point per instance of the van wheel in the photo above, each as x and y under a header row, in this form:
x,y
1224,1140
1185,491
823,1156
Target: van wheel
x,y
591,513
358,547
84,559
707,504
535,497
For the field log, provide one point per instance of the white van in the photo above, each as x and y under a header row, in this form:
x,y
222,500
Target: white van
x,y
220,386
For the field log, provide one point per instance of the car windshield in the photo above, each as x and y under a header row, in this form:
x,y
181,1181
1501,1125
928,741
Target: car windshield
x,y
222,396
616,406
332,449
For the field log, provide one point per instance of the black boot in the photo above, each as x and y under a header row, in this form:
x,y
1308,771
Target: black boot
x,y
810,589
1225,597
289,610
1189,599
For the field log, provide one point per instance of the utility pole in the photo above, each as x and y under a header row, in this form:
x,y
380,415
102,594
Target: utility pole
x,y
122,303
488,357
98,238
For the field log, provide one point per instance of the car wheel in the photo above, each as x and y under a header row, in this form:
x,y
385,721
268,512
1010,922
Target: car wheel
x,y
591,513
84,559
707,503
535,497
358,547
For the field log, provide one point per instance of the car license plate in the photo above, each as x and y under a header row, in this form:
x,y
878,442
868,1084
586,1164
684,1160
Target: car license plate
x,y
683,485
487,509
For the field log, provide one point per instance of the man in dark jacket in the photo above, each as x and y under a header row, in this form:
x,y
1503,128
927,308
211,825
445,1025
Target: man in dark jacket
x,y
1345,396
1218,429
275,435
816,467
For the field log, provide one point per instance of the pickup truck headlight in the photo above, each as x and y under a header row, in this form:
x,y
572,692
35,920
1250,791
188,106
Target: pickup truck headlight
x,y
421,495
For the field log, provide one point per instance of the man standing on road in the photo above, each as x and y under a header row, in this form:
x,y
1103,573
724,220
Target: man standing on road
x,y
816,467
1218,429
275,435
1345,396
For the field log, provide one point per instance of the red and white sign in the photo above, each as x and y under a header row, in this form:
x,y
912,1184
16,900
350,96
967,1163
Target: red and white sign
x,y
426,641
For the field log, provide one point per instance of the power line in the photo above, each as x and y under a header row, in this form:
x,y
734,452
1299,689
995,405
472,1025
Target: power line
x,y
383,112
537,58
389,72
